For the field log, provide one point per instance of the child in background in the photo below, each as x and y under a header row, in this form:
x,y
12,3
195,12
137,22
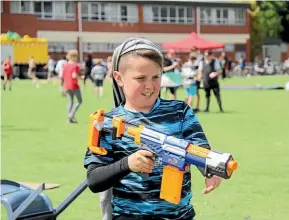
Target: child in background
x,y
8,73
71,73
137,69
189,74
98,73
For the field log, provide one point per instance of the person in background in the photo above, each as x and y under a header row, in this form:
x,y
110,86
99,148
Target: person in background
x,y
170,64
88,68
98,73
71,74
109,65
223,61
50,67
59,71
8,73
189,75
209,70
32,72
199,59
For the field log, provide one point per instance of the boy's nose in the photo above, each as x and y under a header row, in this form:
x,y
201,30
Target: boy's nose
x,y
149,85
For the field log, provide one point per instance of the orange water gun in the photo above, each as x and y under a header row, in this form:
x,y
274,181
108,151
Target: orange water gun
x,y
177,154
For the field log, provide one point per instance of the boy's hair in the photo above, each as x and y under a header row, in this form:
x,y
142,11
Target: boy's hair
x,y
145,53
97,61
72,54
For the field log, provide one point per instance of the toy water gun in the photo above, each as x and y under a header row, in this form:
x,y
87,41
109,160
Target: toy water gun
x,y
177,154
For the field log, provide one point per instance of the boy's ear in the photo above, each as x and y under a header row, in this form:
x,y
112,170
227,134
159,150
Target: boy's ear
x,y
118,78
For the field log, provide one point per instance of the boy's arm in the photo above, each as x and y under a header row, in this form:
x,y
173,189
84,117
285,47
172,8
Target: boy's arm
x,y
101,177
102,171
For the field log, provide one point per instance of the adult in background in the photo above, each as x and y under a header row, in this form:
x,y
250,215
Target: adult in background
x,y
71,74
209,70
88,68
98,74
8,73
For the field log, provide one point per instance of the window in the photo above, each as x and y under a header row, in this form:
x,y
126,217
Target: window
x,y
99,47
222,16
61,46
239,16
45,9
96,11
168,14
206,16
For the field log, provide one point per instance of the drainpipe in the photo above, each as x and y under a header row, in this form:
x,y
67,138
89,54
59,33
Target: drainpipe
x,y
198,20
79,16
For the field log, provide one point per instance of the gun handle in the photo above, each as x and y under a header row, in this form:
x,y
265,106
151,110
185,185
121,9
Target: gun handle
x,y
172,182
94,133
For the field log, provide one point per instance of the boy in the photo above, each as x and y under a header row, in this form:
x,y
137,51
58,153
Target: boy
x,y
98,73
189,74
137,68
71,73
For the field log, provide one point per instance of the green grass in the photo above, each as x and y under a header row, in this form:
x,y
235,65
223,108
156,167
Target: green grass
x,y
39,146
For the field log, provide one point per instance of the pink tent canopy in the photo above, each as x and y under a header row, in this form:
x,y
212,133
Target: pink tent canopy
x,y
193,40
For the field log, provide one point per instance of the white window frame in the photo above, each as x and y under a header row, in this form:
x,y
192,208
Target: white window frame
x,y
111,12
231,19
99,47
150,18
43,15
59,47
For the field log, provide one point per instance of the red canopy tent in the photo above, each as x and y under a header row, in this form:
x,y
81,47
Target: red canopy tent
x,y
193,40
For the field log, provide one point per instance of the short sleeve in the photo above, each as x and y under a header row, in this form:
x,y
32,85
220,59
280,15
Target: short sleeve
x,y
100,159
192,129
76,69
217,65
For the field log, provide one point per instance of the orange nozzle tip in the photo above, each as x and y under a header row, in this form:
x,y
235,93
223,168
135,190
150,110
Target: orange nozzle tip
x,y
232,165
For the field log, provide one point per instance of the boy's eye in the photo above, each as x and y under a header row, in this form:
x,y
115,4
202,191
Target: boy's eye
x,y
140,78
156,77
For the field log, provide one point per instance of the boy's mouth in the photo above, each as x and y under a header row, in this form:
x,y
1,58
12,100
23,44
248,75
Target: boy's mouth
x,y
147,94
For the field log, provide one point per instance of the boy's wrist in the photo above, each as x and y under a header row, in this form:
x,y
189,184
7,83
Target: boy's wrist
x,y
124,165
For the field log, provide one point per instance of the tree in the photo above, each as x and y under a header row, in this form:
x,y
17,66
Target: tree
x,y
256,31
285,23
271,16
268,19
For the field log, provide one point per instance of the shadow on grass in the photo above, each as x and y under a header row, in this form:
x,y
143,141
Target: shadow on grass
x,y
12,128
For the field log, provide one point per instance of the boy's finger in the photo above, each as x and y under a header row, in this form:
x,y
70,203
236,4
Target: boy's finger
x,y
208,189
148,161
146,153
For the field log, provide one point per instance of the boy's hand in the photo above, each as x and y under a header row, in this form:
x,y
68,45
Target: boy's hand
x,y
211,184
139,161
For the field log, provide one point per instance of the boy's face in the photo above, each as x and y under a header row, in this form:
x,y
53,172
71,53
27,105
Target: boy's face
x,y
140,79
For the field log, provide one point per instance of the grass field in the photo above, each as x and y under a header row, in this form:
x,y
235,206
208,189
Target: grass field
x,y
39,146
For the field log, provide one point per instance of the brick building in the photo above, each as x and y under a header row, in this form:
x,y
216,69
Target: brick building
x,y
99,27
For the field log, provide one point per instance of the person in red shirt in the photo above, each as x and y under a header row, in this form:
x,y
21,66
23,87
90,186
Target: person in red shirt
x,y
8,73
71,73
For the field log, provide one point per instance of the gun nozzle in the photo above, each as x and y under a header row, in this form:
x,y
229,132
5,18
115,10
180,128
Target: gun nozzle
x,y
232,165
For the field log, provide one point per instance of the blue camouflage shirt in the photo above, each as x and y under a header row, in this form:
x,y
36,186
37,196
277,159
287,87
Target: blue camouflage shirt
x,y
135,195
